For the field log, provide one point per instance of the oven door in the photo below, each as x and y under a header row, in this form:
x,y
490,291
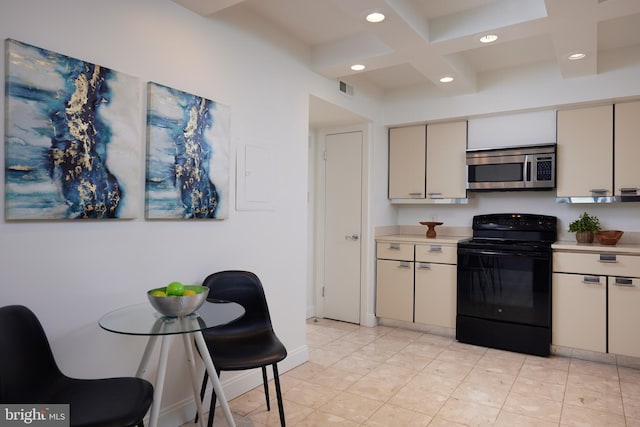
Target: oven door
x,y
505,285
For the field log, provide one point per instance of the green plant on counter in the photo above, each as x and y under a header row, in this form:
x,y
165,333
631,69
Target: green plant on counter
x,y
585,222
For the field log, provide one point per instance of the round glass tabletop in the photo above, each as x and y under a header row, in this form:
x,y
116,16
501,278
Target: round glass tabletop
x,y
143,319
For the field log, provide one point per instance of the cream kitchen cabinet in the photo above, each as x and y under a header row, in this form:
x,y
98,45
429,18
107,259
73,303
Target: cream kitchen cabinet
x,y
427,163
446,160
435,285
579,312
585,152
624,316
394,281
407,162
417,282
627,149
595,302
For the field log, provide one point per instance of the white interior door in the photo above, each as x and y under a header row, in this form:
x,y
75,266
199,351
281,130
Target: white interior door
x,y
343,223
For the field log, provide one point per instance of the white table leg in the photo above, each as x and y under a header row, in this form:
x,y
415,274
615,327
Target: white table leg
x,y
159,386
151,342
188,348
215,381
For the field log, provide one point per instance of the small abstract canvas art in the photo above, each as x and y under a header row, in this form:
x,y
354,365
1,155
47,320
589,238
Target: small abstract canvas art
x,y
187,173
72,138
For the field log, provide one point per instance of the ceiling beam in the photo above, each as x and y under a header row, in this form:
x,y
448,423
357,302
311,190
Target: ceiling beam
x,y
207,7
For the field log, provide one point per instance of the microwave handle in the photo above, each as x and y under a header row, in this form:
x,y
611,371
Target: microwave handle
x,y
526,173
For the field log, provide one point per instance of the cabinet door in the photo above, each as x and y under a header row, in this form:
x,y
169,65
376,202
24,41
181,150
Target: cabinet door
x,y
624,316
394,290
627,147
407,151
579,312
446,159
585,152
435,302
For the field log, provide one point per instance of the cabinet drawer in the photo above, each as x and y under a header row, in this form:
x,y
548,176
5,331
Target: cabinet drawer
x,y
392,250
605,264
441,254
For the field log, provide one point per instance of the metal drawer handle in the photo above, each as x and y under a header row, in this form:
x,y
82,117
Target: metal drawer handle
x,y
591,280
609,258
598,192
424,266
416,194
435,195
404,265
624,281
435,248
628,191
394,246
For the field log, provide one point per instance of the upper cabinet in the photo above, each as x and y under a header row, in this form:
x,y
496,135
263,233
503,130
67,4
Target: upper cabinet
x,y
427,163
407,162
627,149
446,157
585,152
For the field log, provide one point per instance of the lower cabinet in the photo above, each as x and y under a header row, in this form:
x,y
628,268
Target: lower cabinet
x,y
394,290
435,294
579,312
595,302
624,316
417,283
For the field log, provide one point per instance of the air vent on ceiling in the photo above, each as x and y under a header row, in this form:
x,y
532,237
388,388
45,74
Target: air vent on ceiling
x,y
345,88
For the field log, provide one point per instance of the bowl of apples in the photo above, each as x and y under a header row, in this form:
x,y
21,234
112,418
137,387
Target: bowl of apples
x,y
176,299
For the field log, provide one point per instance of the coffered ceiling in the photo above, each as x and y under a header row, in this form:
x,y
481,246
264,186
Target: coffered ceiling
x,y
421,41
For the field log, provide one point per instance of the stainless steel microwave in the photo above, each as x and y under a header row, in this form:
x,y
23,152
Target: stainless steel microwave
x,y
520,168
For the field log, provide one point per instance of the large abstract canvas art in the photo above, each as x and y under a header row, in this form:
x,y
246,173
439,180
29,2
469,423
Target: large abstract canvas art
x,y
187,156
72,138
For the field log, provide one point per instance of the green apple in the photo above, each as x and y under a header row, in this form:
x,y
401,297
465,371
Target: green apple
x,y
175,289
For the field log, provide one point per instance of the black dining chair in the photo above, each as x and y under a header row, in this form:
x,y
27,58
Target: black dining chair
x,y
29,375
248,342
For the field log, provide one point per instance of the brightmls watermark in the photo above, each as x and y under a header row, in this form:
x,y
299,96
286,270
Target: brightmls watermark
x,y
34,415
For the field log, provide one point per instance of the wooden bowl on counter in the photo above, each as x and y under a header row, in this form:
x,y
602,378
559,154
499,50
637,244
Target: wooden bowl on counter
x,y
608,237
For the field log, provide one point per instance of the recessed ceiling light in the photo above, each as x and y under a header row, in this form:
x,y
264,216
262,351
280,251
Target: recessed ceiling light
x,y
358,67
447,79
488,38
375,17
576,56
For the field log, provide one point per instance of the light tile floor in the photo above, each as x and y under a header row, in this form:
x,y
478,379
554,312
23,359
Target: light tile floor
x,y
386,377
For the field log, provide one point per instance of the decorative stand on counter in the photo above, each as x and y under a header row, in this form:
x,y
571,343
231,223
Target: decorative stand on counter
x,y
431,231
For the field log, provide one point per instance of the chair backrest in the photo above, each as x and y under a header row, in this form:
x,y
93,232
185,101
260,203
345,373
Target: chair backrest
x,y
245,288
27,365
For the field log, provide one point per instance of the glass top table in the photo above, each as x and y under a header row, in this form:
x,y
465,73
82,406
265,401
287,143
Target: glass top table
x,y
143,319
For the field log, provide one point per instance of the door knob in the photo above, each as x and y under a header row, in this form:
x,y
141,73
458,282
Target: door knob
x,y
352,237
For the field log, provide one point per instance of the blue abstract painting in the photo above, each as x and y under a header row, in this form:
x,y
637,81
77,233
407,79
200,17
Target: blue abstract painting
x,y
72,138
187,156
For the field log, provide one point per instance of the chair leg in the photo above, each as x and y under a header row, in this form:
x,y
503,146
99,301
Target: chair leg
x,y
203,388
266,386
276,380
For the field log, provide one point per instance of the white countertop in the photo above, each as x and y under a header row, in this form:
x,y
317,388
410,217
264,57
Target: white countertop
x,y
422,238
573,246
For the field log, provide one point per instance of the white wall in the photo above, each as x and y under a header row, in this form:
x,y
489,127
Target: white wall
x,y
70,273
